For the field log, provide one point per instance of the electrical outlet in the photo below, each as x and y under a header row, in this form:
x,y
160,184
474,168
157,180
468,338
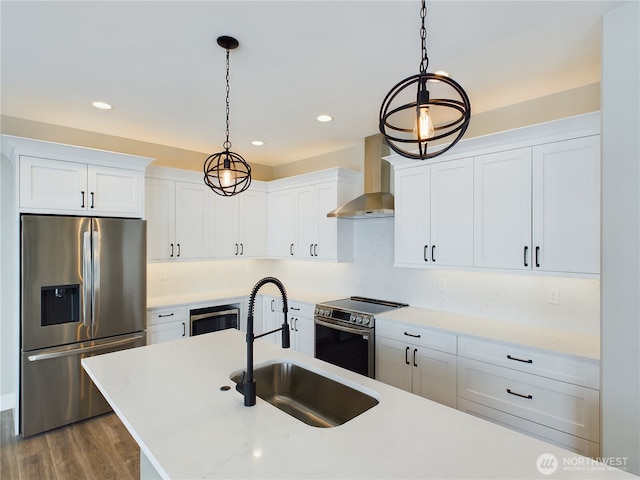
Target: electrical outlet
x,y
553,295
442,285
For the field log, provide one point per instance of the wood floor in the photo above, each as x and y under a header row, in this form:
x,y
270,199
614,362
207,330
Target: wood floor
x,y
98,448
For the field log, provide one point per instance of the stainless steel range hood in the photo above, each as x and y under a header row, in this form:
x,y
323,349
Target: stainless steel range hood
x,y
376,201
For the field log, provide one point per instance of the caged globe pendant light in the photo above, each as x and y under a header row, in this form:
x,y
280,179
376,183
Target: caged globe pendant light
x,y
226,172
426,116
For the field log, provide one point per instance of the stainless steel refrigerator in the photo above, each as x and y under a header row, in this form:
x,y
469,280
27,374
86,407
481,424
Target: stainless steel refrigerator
x,y
83,293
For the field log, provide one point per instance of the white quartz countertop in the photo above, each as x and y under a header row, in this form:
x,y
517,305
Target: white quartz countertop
x,y
571,343
169,398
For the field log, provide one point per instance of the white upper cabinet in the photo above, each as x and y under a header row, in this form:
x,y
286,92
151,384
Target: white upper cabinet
x,y
566,206
526,200
298,225
502,209
64,179
538,208
238,225
434,214
176,219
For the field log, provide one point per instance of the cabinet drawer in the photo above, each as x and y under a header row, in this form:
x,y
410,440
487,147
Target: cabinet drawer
x,y
165,332
570,408
419,336
550,435
301,309
165,315
580,371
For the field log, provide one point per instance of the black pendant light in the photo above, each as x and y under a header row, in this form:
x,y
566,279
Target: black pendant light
x,y
226,172
416,112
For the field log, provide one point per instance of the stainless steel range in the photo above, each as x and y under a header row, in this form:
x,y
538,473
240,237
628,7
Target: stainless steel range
x,y
345,332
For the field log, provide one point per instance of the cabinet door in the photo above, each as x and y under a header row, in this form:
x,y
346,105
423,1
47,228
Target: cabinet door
x,y
114,191
53,185
452,213
165,332
272,318
282,224
435,375
224,227
160,215
566,206
326,242
191,218
252,223
306,222
502,210
393,364
412,216
305,331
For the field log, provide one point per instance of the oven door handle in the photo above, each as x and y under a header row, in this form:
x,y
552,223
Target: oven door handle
x,y
211,315
365,332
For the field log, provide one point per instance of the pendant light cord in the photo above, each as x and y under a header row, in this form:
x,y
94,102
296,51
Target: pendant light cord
x,y
227,143
424,62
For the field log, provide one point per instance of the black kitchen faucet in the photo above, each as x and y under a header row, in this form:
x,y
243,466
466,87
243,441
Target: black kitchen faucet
x,y
248,385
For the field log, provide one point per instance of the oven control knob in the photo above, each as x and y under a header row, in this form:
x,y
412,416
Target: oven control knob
x,y
366,320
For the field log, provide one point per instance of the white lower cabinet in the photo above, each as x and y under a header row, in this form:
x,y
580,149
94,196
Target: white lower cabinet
x,y
550,396
272,318
406,358
165,324
302,328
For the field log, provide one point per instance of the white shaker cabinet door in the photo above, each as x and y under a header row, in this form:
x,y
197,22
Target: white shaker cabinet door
x,y
412,222
191,219
566,206
252,224
282,223
224,227
502,210
452,213
160,216
115,191
53,185
327,237
306,222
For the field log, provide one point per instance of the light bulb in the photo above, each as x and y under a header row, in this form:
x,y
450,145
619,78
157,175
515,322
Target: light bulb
x,y
226,178
423,128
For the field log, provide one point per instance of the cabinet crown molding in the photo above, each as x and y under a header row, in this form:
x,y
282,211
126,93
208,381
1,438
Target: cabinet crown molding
x,y
13,147
320,176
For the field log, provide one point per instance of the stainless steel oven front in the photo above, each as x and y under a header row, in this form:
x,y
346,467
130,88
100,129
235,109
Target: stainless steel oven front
x,y
347,345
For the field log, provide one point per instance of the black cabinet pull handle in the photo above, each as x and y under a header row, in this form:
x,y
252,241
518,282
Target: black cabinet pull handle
x,y
511,392
297,309
311,249
171,250
184,329
92,199
291,249
178,245
412,335
315,249
166,315
236,249
406,355
82,194
537,257
526,251
242,249
433,258
415,350
519,359
424,253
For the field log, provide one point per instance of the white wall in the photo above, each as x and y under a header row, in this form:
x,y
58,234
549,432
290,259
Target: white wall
x,y
515,298
620,394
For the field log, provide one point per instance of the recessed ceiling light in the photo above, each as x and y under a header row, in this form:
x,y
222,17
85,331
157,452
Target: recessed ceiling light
x,y
102,105
324,118
257,143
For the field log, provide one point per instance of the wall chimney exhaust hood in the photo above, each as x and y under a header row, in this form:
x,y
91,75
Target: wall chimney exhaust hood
x,y
377,201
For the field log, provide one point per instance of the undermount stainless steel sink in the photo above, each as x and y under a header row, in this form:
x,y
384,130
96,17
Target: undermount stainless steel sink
x,y
312,398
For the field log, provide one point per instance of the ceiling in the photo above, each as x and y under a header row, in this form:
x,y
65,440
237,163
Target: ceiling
x,y
158,64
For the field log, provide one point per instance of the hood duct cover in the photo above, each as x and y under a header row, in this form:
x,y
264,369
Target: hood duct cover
x,y
376,202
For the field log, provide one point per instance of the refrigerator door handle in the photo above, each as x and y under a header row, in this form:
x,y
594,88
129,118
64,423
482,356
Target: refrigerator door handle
x,y
86,279
95,290
66,352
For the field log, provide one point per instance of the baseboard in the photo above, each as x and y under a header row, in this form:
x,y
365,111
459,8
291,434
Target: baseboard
x,y
7,401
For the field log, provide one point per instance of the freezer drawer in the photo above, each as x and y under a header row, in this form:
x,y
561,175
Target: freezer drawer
x,y
56,391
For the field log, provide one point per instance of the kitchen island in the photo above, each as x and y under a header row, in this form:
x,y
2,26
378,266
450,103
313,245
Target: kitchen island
x,y
171,398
